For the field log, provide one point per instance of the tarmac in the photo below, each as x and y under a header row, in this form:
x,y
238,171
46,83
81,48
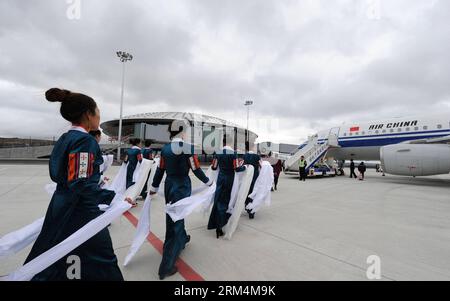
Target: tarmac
x,y
321,229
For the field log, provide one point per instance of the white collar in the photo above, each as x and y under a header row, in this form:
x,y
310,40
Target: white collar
x,y
78,128
135,147
177,140
226,147
251,152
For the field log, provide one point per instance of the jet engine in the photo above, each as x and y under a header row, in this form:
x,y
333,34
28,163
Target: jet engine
x,y
416,159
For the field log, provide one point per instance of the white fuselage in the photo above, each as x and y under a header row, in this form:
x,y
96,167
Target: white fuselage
x,y
362,141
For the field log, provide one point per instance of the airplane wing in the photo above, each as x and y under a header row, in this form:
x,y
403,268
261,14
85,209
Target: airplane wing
x,y
439,140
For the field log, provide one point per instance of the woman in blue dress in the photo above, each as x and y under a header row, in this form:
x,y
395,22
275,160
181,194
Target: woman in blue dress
x,y
177,158
74,166
134,156
251,158
147,153
227,162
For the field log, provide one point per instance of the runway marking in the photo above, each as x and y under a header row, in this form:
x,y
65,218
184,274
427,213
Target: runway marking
x,y
184,269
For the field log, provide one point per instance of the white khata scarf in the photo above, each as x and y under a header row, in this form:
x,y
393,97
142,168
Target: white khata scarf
x,y
261,191
17,240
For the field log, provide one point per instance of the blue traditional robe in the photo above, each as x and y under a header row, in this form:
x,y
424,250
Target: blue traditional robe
x,y
254,160
227,162
177,158
134,156
147,153
74,166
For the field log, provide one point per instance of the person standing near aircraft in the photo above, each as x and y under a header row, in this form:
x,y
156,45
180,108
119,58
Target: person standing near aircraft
x,y
177,158
341,167
302,168
251,158
352,169
277,168
362,170
227,162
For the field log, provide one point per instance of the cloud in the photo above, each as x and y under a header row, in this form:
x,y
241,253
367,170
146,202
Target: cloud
x,y
308,64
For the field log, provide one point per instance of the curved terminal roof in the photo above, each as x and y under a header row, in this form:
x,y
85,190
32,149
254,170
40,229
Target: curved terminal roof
x,y
166,118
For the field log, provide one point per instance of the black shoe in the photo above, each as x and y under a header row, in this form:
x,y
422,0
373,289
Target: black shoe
x,y
251,215
173,271
188,239
272,189
275,187
219,233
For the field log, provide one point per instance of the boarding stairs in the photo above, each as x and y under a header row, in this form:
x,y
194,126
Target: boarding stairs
x,y
313,151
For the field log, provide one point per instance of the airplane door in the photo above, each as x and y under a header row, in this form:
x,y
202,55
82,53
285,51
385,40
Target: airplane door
x,y
335,131
333,137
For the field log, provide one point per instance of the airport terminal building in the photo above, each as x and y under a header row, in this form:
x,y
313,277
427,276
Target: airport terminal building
x,y
204,131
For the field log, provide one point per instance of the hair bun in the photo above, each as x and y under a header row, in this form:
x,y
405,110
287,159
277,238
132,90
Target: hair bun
x,y
56,95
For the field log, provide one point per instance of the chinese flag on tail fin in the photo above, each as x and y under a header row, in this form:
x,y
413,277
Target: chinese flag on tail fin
x,y
354,129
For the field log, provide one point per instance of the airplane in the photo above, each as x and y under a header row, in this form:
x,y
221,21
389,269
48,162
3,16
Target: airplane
x,y
414,146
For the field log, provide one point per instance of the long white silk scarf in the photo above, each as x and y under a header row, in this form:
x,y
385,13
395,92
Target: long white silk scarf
x,y
243,181
261,191
46,259
201,199
143,227
16,241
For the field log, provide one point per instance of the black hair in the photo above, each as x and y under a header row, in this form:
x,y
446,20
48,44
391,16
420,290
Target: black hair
x,y
174,133
135,141
148,142
73,105
95,133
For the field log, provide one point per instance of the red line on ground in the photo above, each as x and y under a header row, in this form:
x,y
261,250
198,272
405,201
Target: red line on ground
x,y
184,269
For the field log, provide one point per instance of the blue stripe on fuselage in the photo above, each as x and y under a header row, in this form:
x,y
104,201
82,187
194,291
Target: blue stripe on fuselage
x,y
382,141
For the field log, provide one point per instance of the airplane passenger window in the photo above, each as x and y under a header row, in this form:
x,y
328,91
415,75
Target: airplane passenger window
x,y
345,134
357,133
363,133
351,134
425,127
384,131
439,126
392,130
399,130
377,132
408,129
416,128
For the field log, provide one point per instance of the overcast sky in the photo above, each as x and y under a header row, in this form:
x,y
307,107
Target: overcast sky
x,y
306,64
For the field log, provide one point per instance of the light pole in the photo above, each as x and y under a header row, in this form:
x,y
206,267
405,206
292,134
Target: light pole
x,y
124,57
248,103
